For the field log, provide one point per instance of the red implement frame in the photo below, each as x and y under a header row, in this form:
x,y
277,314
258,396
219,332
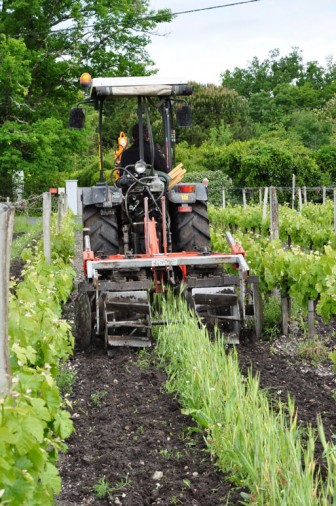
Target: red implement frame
x,y
160,262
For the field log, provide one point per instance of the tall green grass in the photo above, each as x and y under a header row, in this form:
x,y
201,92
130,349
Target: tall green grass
x,y
258,444
29,229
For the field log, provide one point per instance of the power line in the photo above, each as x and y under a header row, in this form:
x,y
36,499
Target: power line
x,y
213,7
142,18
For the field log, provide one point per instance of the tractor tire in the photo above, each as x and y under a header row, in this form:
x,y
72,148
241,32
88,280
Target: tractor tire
x,y
103,230
83,320
191,230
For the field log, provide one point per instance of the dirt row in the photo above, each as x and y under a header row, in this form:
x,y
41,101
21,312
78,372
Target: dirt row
x,y
133,446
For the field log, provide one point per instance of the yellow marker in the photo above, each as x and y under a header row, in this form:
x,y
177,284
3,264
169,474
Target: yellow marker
x,y
122,144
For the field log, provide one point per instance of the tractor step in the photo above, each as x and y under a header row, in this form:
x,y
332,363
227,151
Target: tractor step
x,y
134,342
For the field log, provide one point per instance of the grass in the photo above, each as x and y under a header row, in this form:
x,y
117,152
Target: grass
x,y
104,490
312,350
30,230
272,318
143,358
174,454
65,379
258,445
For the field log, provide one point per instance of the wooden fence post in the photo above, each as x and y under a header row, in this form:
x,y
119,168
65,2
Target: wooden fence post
x,y
284,313
293,192
311,319
305,195
335,209
264,213
46,226
274,210
6,233
244,198
223,199
59,213
324,194
300,200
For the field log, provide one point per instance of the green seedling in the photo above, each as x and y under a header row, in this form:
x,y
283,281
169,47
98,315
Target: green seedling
x,y
174,454
97,398
102,489
143,359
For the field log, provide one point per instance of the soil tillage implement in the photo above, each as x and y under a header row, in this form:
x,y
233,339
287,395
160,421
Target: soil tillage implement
x,y
149,230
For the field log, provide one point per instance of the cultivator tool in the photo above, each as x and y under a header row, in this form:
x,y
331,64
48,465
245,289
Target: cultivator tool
x,y
127,318
122,311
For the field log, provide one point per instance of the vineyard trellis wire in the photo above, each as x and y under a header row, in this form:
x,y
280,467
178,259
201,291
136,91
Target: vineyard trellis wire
x,y
298,196
293,196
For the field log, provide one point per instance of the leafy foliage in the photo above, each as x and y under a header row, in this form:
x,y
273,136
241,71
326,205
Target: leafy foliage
x,y
303,274
43,51
33,421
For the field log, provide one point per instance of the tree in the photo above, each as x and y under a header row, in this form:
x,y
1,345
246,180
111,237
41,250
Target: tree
x,y
65,37
265,76
44,47
213,106
326,160
15,77
312,132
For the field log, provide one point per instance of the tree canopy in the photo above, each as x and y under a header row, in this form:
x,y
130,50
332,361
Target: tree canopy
x,y
44,47
283,113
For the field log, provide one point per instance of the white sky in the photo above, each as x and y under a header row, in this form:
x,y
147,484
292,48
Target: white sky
x,y
201,45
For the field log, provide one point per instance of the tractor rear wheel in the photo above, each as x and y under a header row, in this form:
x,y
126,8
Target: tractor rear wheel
x,y
191,230
103,230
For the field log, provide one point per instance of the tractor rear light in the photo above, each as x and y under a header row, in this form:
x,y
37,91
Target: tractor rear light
x,y
186,188
184,209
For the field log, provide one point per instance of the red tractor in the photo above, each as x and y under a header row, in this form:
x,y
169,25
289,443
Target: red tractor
x,y
147,231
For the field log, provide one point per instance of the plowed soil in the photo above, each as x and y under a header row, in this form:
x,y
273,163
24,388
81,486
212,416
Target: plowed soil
x,y
132,435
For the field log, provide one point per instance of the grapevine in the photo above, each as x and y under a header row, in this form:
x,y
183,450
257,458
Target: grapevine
x,y
33,419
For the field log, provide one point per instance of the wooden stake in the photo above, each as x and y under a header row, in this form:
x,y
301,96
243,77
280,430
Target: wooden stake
x,y
6,234
264,214
274,209
284,314
293,192
244,198
300,200
311,319
46,226
305,195
223,199
59,212
335,209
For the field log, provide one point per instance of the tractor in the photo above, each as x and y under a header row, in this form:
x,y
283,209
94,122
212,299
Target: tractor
x,y
148,230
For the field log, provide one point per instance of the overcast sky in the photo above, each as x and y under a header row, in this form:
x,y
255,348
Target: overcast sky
x,y
201,45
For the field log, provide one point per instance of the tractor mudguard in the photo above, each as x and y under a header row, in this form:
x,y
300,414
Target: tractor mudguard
x,y
102,196
200,194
